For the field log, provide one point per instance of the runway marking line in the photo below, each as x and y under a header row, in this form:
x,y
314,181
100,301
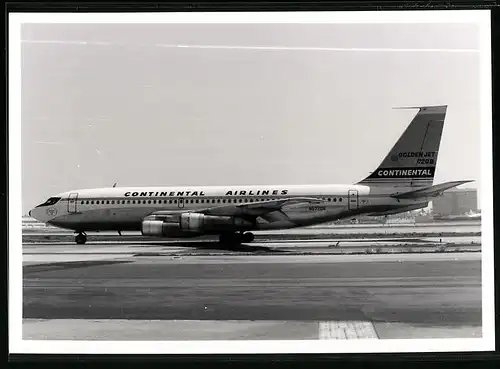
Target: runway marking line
x,y
343,330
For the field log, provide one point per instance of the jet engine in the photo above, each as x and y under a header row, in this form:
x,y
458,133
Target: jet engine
x,y
191,223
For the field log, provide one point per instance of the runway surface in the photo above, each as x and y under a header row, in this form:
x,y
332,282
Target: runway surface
x,y
34,253
40,233
263,296
343,282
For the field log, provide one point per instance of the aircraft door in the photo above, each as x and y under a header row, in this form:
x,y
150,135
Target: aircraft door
x,y
72,200
352,200
181,202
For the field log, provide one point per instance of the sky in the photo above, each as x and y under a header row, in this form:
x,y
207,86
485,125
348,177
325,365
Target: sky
x,y
238,104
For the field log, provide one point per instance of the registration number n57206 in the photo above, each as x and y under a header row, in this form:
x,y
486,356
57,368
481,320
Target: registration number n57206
x,y
317,208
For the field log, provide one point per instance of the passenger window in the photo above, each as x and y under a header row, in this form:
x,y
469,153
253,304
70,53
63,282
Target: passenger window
x,y
128,201
340,199
175,201
240,200
81,203
329,199
92,202
334,199
218,200
169,201
149,201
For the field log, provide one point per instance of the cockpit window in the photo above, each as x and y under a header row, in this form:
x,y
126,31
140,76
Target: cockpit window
x,y
50,201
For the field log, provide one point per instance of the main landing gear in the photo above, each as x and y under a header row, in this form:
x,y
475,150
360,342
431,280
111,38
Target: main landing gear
x,y
236,237
81,238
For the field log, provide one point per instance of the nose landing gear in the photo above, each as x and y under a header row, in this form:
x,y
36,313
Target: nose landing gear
x,y
81,238
247,237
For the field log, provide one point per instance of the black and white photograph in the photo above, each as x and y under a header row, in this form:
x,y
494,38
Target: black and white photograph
x,y
250,182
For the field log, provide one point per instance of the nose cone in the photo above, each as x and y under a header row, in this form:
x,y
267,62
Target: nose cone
x,y
32,214
37,214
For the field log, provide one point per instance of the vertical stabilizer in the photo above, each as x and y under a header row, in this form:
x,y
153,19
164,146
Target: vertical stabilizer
x,y
412,160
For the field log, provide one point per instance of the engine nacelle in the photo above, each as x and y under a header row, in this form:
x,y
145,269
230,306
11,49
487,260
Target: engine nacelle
x,y
190,224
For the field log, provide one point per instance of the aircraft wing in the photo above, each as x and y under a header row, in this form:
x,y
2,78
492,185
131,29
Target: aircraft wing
x,y
256,208
429,191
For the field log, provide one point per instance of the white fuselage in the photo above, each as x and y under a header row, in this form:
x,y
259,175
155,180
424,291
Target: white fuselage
x,y
123,208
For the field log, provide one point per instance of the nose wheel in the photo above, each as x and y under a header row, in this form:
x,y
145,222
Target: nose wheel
x,y
80,239
247,237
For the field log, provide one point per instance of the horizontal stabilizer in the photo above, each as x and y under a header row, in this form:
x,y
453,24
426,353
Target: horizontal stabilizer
x,y
429,191
400,209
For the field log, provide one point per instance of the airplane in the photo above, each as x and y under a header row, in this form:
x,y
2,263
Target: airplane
x,y
402,182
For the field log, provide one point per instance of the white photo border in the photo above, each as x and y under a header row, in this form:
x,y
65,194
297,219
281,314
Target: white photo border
x,y
18,345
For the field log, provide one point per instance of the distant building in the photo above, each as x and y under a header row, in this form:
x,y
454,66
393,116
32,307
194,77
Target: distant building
x,y
455,202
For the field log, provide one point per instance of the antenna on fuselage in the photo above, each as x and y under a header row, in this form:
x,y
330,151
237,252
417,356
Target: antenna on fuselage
x,y
115,184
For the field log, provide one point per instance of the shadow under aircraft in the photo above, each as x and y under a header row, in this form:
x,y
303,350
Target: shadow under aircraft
x,y
214,245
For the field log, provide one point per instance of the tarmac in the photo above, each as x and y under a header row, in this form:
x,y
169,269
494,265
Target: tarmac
x,y
136,291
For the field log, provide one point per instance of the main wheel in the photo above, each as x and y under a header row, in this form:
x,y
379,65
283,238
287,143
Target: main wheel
x,y
248,237
81,239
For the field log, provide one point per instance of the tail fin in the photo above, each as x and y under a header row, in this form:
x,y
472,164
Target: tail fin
x,y
412,160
